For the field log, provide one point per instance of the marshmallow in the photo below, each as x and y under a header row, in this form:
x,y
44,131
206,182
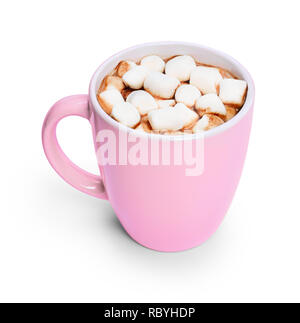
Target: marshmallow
x,y
165,103
180,67
161,85
126,113
210,103
143,101
187,94
124,67
172,119
206,79
135,77
109,98
153,63
113,82
165,119
233,92
188,116
207,122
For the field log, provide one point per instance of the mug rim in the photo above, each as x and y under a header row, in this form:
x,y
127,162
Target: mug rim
x,y
249,102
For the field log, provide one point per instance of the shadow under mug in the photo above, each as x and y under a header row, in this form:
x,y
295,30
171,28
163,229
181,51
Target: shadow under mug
x,y
159,206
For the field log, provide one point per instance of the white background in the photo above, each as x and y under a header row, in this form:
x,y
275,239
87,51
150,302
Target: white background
x,y
57,244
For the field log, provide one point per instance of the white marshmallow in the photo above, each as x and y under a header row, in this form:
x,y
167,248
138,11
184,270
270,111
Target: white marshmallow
x,y
187,94
165,119
143,101
172,118
201,125
206,79
153,63
210,103
233,91
135,77
187,115
124,67
113,82
165,103
161,85
126,113
109,98
180,67
207,122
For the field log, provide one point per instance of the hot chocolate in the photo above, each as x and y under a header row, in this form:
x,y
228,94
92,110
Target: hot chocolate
x,y
174,96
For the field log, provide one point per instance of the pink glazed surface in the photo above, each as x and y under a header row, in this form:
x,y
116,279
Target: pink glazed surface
x,y
159,206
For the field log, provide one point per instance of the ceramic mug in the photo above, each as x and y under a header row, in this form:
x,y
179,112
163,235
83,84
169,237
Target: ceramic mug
x,y
159,206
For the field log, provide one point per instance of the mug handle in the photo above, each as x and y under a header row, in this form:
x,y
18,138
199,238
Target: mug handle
x,y
76,105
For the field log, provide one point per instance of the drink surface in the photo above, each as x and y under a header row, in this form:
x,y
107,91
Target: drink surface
x,y
173,96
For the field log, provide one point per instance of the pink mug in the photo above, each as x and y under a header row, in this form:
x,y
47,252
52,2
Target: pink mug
x,y
159,206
